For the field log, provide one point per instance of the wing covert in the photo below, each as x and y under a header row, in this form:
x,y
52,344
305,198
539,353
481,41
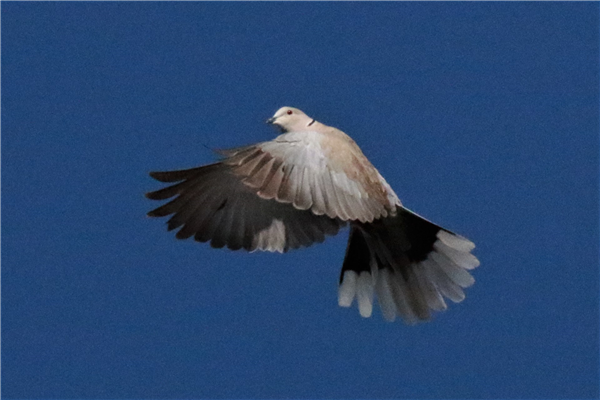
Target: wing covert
x,y
296,168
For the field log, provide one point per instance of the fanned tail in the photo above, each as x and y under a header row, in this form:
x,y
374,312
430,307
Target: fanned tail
x,y
408,263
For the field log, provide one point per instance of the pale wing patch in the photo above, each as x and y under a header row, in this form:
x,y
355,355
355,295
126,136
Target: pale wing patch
x,y
293,169
271,238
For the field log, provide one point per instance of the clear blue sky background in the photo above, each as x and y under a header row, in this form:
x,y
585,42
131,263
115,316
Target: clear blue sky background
x,y
483,117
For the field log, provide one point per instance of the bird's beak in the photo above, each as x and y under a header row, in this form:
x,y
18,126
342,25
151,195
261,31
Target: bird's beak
x,y
270,120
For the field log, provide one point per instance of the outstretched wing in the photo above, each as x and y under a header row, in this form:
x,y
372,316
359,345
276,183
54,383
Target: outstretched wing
x,y
326,174
277,195
212,204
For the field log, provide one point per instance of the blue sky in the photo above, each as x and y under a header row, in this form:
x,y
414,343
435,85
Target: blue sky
x,y
482,116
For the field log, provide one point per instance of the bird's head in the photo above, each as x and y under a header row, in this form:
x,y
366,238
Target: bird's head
x,y
290,119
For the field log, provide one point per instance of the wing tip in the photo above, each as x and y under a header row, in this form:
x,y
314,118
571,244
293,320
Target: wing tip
x,y
151,196
158,175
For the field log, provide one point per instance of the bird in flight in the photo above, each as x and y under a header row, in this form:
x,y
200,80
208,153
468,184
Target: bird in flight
x,y
305,184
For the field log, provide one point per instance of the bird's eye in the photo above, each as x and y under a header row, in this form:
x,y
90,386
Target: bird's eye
x,y
289,112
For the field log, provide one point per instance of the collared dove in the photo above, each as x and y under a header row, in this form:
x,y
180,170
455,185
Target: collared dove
x,y
305,184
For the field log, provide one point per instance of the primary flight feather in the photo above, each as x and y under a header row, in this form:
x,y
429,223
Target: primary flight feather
x,y
305,184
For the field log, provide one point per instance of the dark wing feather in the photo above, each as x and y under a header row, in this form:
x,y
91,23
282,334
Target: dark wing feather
x,y
213,204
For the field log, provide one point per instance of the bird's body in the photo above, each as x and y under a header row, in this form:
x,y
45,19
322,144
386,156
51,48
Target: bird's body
x,y
308,183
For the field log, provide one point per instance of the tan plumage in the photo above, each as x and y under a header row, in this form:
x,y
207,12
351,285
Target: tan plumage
x,y
308,183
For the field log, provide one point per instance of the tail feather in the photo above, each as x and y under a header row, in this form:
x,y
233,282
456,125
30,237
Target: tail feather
x,y
409,263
